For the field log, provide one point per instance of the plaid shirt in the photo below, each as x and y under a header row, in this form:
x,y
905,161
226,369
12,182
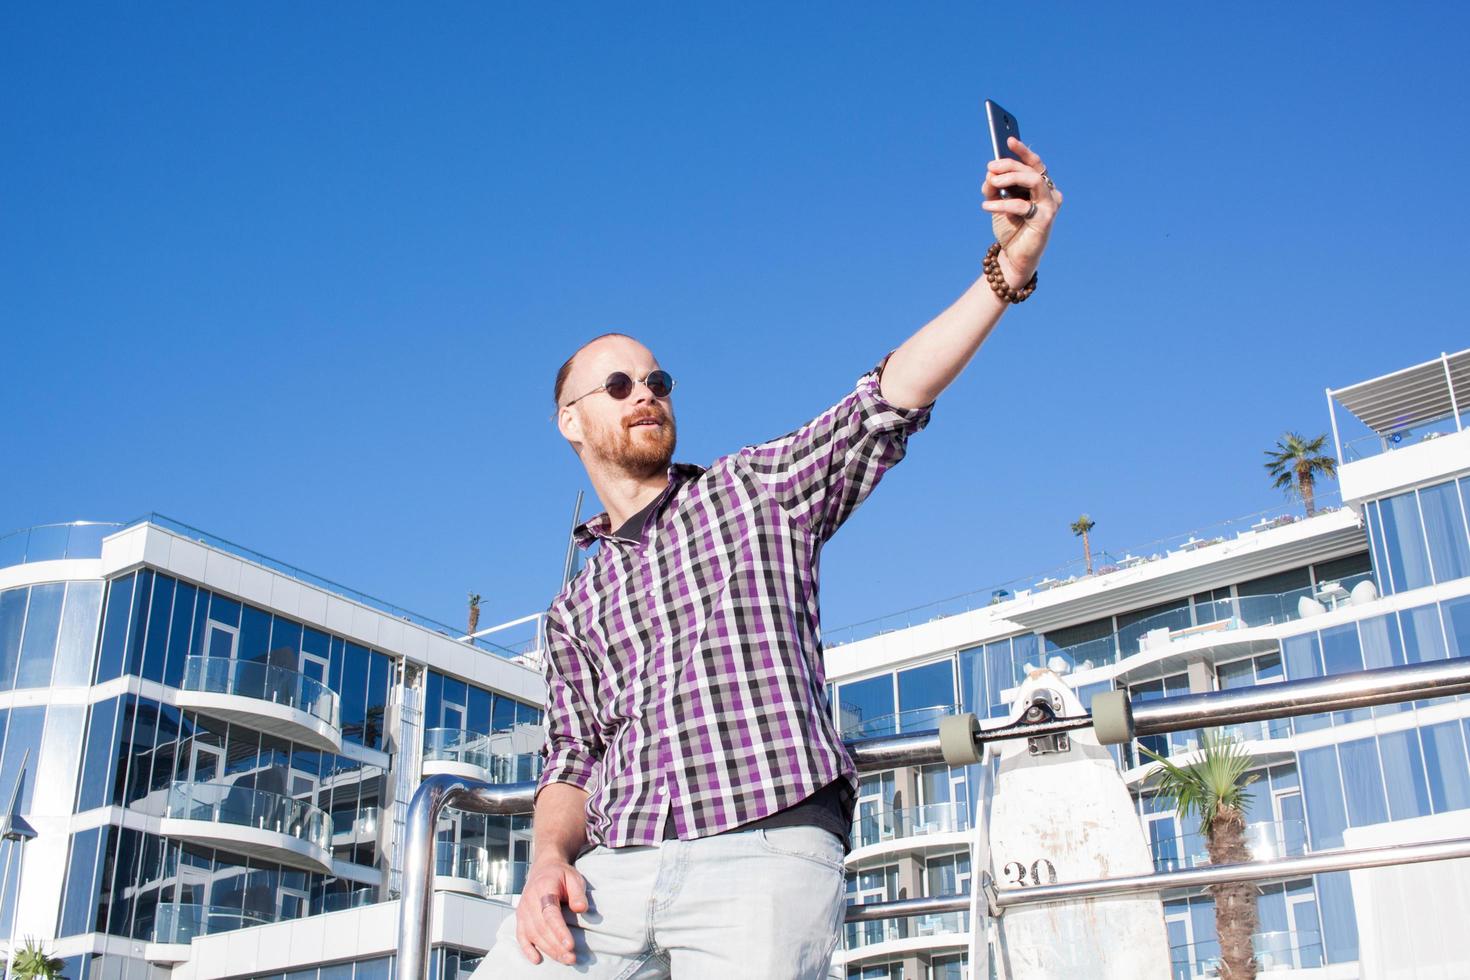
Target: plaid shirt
x,y
684,671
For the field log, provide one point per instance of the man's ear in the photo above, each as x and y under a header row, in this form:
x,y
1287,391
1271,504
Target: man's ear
x,y
570,425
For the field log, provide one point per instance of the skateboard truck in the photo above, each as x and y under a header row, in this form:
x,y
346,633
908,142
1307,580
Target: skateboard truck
x,y
1045,707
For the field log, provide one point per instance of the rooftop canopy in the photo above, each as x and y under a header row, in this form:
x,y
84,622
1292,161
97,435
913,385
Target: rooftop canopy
x,y
1414,396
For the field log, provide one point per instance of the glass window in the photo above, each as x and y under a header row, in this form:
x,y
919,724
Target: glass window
x,y
43,622
1403,775
1444,762
503,714
972,681
115,628
102,732
924,694
181,631
1000,674
1339,921
1362,782
1340,651
78,635
60,753
433,699
1380,557
1322,784
1456,625
478,716
866,707
1444,526
255,634
354,692
1382,646
1423,638
12,624
81,883
22,743
160,613
138,621
377,701
1403,540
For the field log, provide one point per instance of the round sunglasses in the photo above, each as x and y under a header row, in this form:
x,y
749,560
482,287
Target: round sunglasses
x,y
620,386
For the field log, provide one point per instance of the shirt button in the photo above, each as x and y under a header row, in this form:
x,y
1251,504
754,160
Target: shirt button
x,y
662,790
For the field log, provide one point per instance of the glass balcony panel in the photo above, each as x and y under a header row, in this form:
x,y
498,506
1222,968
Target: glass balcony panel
x,y
51,542
468,862
180,923
1274,951
245,806
1267,841
886,825
507,877
902,722
262,682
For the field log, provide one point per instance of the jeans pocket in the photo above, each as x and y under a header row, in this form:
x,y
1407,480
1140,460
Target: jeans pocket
x,y
809,843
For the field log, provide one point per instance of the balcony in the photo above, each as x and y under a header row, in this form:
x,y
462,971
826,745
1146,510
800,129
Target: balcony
x,y
265,697
180,923
912,826
1275,951
466,753
463,868
1218,619
249,821
863,941
1267,842
913,720
54,542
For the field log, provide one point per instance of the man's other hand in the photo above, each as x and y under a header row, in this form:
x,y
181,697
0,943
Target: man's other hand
x,y
540,927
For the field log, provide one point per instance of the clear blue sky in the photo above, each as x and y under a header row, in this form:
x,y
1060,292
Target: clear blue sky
x,y
302,274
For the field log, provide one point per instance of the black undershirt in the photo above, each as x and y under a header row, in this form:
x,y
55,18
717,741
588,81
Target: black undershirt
x,y
827,808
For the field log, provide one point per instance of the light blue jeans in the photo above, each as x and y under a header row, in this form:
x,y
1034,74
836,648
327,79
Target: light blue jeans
x,y
763,904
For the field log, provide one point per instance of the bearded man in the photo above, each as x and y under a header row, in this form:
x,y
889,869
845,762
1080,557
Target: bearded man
x,y
694,810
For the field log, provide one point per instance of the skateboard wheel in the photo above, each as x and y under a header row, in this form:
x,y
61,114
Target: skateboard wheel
x,y
1112,717
957,739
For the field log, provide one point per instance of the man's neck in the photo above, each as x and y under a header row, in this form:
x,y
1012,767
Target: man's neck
x,y
623,495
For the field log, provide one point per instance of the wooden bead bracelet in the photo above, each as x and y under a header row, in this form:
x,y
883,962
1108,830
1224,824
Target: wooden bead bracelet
x,y
997,279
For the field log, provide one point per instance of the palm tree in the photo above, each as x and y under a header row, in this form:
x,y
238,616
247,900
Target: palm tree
x,y
1296,458
474,613
32,963
1215,788
1081,526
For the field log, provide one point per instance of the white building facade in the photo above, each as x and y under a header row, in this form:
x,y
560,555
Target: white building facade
x,y
215,751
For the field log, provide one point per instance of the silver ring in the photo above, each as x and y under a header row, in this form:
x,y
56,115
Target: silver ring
x,y
1048,180
1031,213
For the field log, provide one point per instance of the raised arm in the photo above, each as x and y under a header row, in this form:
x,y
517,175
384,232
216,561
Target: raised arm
x,y
928,361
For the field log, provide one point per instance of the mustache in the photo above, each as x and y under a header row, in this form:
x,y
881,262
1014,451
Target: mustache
x,y
653,413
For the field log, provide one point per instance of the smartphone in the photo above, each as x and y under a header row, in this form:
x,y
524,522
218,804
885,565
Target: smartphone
x,y
1002,126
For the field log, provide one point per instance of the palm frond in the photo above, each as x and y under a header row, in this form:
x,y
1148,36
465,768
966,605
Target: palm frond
x,y
1218,780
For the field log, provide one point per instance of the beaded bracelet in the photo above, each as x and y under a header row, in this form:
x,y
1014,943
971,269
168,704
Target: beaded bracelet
x,y
997,279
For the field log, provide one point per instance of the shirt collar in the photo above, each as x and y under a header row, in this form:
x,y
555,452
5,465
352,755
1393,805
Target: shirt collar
x,y
589,532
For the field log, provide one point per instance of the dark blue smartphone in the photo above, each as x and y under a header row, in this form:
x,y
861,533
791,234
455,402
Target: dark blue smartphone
x,y
1003,125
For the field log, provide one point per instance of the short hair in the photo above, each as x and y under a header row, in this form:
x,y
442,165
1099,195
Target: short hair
x,y
566,369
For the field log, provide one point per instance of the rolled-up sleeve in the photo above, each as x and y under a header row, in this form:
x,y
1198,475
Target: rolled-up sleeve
x,y
821,472
573,748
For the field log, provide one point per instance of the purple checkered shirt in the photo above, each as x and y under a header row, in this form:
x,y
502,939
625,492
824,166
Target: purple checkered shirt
x,y
684,671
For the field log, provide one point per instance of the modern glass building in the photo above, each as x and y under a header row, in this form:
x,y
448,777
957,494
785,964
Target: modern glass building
x,y
215,751
1378,576
208,743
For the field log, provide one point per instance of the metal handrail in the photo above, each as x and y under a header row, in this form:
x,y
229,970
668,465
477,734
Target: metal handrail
x,y
1366,688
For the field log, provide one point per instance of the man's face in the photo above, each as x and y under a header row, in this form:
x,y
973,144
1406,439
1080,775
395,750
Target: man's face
x,y
635,435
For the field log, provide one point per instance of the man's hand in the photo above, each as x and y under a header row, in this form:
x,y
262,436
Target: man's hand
x,y
540,928
1022,239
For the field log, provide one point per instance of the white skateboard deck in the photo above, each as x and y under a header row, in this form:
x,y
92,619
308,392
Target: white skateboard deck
x,y
1061,815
